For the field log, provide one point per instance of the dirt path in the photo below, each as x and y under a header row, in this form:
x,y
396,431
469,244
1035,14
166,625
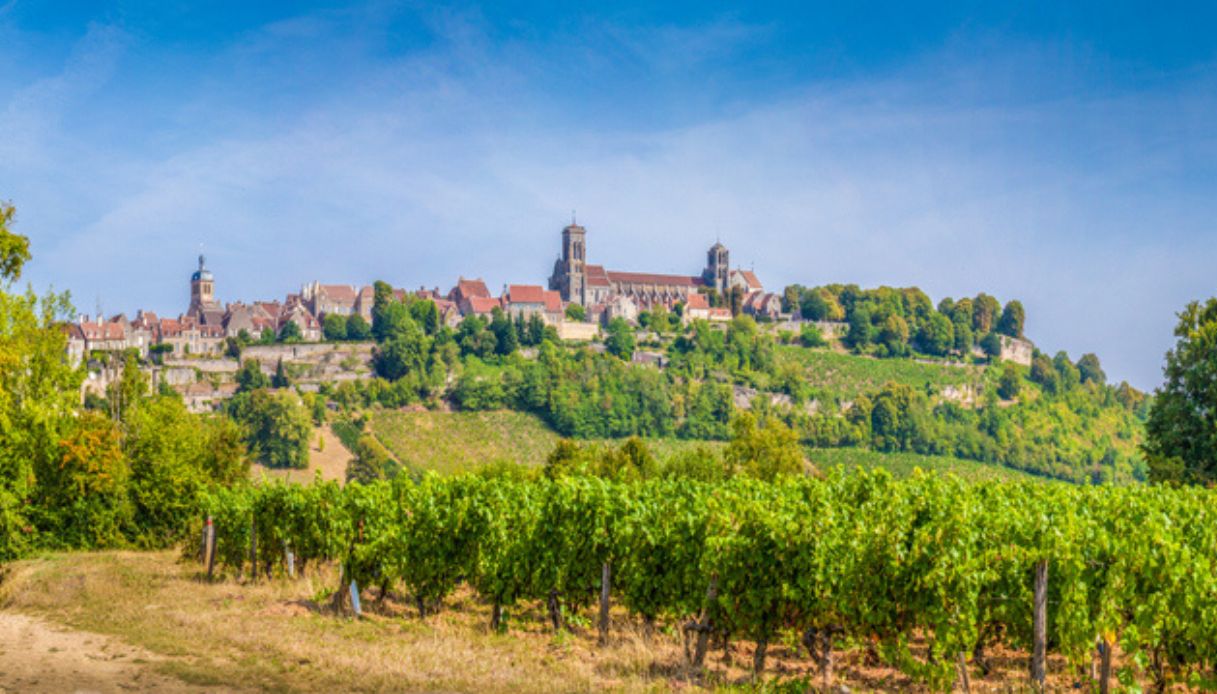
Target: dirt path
x,y
36,656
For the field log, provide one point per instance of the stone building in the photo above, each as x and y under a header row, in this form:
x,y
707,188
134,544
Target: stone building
x,y
593,286
203,305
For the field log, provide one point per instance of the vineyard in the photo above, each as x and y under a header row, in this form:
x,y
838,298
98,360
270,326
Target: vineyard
x,y
853,561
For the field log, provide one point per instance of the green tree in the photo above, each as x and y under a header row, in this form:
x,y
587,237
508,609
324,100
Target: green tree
x,y
289,332
335,327
1010,382
505,337
1011,321
280,379
894,335
277,427
250,377
357,329
1090,370
763,451
1181,445
861,332
620,339
985,312
1067,374
1044,373
936,335
810,336
14,248
83,495
575,312
991,344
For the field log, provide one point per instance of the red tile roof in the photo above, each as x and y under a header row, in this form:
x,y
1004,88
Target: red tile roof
x,y
469,289
482,304
596,276
648,278
750,277
697,301
339,293
525,294
553,301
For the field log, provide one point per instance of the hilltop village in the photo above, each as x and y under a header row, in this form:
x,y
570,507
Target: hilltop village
x,y
578,301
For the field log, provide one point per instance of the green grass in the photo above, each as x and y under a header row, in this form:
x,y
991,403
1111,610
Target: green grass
x,y
903,464
847,376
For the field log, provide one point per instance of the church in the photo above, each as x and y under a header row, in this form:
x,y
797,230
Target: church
x,y
592,285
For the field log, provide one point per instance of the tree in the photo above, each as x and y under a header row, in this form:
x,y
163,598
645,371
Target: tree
x,y
277,427
991,344
14,248
1181,445
85,491
937,335
280,379
575,312
267,337
289,332
1067,374
764,452
334,327
1011,321
250,377
964,337
985,312
357,329
1090,371
505,337
1010,382
810,336
895,335
861,332
620,340
1044,373
790,298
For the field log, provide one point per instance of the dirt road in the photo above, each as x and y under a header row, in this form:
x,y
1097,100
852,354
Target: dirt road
x,y
36,656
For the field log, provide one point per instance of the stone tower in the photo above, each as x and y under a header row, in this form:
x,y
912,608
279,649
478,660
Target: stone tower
x,y
202,290
718,271
569,277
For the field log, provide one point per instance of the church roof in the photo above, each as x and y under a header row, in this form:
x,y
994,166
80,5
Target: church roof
x,y
648,278
525,294
596,276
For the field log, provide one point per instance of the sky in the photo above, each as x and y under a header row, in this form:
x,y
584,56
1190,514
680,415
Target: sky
x,y
1062,154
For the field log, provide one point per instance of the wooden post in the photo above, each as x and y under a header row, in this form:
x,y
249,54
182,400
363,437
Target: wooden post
x,y
965,683
704,624
1104,666
606,578
211,548
253,550
496,617
758,657
555,610
1039,651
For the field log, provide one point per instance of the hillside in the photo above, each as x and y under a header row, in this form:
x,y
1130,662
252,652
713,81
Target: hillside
x,y
846,376
450,442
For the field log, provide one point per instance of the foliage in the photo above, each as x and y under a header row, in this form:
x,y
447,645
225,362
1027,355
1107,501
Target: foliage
x,y
620,339
1182,426
575,312
277,427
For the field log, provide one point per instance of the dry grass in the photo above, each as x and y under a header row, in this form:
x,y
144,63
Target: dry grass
x,y
276,635
326,455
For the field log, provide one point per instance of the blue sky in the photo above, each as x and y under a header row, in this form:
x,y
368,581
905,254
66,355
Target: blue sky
x,y
1061,153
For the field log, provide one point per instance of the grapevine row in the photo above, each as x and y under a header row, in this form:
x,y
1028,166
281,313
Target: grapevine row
x,y
858,558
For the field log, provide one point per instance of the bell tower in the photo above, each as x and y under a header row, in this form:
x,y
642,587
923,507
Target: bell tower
x,y
202,290
718,268
569,277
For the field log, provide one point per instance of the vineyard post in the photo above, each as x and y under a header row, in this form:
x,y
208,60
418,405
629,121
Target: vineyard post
x,y
289,558
1104,666
203,546
1040,627
211,548
606,578
253,550
354,588
965,683
703,623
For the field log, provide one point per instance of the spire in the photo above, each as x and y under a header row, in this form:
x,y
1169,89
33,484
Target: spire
x,y
202,262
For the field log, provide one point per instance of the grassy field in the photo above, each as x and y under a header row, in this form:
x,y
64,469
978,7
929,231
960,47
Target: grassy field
x,y
451,442
280,635
847,375
903,464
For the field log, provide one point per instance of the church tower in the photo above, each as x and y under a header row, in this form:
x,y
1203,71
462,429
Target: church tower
x,y
202,290
718,271
569,277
